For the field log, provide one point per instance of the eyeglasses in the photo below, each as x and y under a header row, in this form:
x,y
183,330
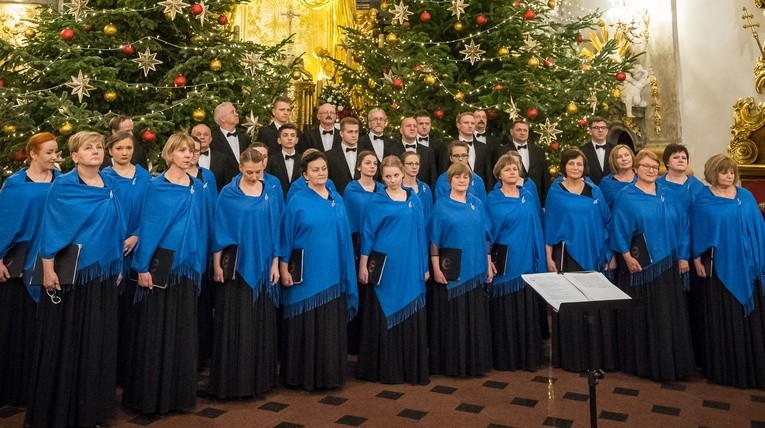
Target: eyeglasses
x,y
412,163
649,167
460,156
599,128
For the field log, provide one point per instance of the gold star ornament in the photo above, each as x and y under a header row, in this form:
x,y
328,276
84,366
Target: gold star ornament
x,y
251,124
147,61
78,8
80,86
173,7
401,12
457,8
472,52
252,62
548,131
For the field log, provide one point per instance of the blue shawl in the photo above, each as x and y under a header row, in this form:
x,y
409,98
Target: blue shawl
x,y
465,226
320,227
477,188
252,223
611,187
21,210
515,222
426,198
580,221
637,212
275,189
176,218
130,192
76,213
402,288
683,192
356,200
301,183
734,227
529,185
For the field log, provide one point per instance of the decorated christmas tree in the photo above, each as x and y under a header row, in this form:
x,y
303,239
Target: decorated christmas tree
x,y
167,64
520,59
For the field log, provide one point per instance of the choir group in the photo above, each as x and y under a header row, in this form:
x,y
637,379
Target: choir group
x,y
402,271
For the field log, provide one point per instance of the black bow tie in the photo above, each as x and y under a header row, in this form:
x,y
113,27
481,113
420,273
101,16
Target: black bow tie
x,y
521,147
327,132
204,153
423,139
410,146
377,137
600,146
469,143
350,149
231,134
288,157
480,134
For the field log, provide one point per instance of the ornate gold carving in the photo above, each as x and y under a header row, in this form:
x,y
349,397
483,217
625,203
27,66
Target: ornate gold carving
x,y
655,100
748,136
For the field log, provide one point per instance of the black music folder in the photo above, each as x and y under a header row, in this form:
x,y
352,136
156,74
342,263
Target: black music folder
x,y
708,261
295,265
639,250
376,266
16,258
559,255
65,265
160,267
499,257
450,262
229,258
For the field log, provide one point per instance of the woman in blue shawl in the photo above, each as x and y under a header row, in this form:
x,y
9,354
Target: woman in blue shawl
x,y
394,345
315,311
654,337
129,183
175,217
458,311
411,162
458,153
726,220
622,175
22,200
577,215
244,353
515,223
75,359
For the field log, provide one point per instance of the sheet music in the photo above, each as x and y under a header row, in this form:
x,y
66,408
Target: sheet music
x,y
595,286
573,287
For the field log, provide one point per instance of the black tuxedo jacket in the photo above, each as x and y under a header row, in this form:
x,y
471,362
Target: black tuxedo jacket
x,y
220,143
538,172
338,167
223,168
268,135
596,173
428,172
366,144
278,168
313,139
439,148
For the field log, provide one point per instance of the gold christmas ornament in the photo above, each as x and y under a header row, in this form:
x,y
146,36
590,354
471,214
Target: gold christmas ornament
x,y
169,17
605,106
571,108
296,75
533,62
110,29
602,23
617,93
9,129
503,51
110,96
430,80
30,33
551,4
66,128
216,65
458,26
197,39
553,170
371,83
391,37
459,96
384,5
198,114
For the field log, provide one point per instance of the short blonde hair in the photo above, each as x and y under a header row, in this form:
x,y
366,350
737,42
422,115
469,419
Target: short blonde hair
x,y
504,161
175,142
645,154
458,169
79,139
615,154
719,163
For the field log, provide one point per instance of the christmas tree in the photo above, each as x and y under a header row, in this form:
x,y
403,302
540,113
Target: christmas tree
x,y
167,64
517,60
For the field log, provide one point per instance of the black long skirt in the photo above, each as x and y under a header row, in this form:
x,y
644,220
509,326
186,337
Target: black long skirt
x,y
459,331
314,352
205,318
74,365
163,376
126,330
654,337
517,339
17,341
395,355
244,361
735,343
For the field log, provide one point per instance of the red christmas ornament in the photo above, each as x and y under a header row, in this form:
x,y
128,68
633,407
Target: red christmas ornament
x,y
425,16
529,87
67,34
532,113
529,15
406,24
555,146
579,38
196,9
398,83
582,122
20,155
222,20
498,87
418,67
438,113
621,76
517,4
481,19
149,136
548,62
88,28
180,80
491,113
128,50
394,106
2,82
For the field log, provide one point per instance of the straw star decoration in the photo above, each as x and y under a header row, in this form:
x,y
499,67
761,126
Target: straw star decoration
x,y
147,61
513,110
173,7
472,52
80,86
251,124
401,12
548,131
78,8
252,62
457,8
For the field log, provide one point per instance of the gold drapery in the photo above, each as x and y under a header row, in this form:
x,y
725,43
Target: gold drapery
x,y
315,24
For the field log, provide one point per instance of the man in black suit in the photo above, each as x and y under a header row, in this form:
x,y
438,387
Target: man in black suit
x,y
598,149
122,123
533,157
341,160
375,140
478,155
226,138
285,164
482,134
281,108
222,167
324,136
409,143
427,139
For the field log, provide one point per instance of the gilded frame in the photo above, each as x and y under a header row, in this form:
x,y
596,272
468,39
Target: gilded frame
x,y
747,147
